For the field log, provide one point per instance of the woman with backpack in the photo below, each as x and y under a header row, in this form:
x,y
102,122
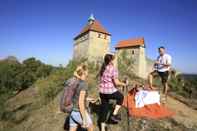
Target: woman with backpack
x,y
108,89
79,115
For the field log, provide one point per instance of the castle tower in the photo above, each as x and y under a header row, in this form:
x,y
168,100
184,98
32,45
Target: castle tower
x,y
135,51
92,42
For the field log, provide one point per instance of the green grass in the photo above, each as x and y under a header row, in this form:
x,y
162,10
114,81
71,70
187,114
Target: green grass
x,y
5,94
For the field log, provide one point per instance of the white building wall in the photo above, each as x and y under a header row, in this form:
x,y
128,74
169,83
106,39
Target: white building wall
x,y
138,57
92,46
142,62
98,45
81,46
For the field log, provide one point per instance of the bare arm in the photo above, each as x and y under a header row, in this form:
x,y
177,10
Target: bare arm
x,y
118,82
166,65
82,104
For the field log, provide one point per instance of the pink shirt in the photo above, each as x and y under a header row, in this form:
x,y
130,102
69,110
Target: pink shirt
x,y
107,85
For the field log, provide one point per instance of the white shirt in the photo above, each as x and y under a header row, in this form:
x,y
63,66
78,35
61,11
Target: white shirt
x,y
165,59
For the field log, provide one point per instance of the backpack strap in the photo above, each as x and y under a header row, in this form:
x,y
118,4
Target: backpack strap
x,y
77,85
79,125
74,120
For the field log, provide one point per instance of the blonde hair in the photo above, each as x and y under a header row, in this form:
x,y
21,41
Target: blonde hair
x,y
80,70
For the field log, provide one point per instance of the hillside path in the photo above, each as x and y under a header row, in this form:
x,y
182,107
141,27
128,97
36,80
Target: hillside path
x,y
184,114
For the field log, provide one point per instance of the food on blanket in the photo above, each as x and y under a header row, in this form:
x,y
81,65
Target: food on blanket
x,y
153,111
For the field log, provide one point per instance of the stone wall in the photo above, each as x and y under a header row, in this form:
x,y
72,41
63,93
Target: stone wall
x,y
138,59
92,46
81,46
142,62
98,46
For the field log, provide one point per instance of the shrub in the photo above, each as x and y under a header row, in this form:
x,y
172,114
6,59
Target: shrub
x,y
5,94
17,76
50,86
126,66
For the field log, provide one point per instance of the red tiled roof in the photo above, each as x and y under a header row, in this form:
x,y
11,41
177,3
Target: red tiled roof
x,y
95,26
130,43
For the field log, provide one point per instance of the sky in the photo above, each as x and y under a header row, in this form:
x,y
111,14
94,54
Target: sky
x,y
45,28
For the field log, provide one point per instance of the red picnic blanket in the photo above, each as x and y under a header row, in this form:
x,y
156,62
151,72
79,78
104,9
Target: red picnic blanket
x,y
153,111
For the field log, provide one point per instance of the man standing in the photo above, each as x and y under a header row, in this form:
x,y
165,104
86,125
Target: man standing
x,y
162,67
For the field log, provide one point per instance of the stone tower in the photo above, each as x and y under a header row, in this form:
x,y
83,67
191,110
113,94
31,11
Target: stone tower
x,y
93,42
135,50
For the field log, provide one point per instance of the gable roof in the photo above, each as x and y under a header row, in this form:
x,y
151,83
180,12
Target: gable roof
x,y
95,26
130,43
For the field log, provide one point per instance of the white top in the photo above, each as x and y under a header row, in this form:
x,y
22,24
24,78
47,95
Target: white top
x,y
165,59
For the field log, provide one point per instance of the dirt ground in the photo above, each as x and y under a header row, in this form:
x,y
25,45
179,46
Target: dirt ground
x,y
24,114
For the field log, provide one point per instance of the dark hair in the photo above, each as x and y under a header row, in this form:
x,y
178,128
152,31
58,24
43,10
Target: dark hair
x,y
161,47
107,59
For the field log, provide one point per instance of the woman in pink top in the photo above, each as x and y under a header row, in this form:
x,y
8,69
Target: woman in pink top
x,y
108,88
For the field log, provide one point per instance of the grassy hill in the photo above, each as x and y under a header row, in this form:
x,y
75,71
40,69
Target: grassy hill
x,y
36,108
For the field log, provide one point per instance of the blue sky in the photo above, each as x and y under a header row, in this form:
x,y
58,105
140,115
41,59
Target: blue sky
x,y
45,28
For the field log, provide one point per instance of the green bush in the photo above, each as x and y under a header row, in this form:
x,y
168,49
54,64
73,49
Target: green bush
x,y
50,86
184,85
17,76
126,66
5,94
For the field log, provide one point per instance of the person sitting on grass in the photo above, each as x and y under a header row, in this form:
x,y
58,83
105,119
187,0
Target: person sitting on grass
x,y
79,114
108,83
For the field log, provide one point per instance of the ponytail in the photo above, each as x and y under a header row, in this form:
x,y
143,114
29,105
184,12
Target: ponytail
x,y
107,59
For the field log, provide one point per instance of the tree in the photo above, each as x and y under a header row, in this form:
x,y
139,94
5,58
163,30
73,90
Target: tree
x,y
31,64
17,76
9,70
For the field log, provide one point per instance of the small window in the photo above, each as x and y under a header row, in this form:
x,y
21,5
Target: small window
x,y
133,52
99,35
105,36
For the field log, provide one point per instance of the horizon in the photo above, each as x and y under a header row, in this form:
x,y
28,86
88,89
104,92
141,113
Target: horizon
x,y
45,29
